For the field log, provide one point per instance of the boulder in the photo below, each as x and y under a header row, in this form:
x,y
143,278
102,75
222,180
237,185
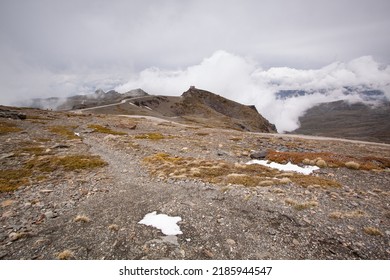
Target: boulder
x,y
259,155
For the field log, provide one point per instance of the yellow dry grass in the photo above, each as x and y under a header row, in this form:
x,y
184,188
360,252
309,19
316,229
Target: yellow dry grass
x,y
65,255
372,231
301,205
348,214
106,130
8,127
165,166
329,159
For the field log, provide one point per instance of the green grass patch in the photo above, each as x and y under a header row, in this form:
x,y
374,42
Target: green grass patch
x,y
150,136
106,130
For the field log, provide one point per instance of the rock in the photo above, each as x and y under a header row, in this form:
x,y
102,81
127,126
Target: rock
x,y
245,153
3,236
6,155
221,153
50,214
295,242
13,236
230,242
46,191
60,146
3,254
259,155
7,202
272,231
8,114
208,253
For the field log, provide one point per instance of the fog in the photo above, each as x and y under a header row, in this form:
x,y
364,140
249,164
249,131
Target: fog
x,y
243,80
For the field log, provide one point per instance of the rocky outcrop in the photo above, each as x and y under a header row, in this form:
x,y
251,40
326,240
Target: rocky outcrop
x,y
8,114
204,103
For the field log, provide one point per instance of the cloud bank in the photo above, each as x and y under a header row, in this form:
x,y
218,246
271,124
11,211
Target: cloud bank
x,y
243,80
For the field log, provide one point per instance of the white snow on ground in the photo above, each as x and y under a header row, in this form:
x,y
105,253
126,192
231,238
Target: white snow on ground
x,y
285,167
163,222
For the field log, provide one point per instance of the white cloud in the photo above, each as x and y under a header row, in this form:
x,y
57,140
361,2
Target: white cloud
x,y
242,80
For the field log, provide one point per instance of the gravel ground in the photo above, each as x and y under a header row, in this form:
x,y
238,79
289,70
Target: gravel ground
x,y
94,213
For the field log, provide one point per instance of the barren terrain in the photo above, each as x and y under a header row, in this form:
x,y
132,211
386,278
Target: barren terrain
x,y
75,186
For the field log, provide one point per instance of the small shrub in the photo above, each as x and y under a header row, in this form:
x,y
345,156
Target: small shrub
x,y
321,163
285,180
372,231
65,131
113,227
150,136
65,255
106,130
68,163
82,218
352,165
11,179
351,214
6,127
301,206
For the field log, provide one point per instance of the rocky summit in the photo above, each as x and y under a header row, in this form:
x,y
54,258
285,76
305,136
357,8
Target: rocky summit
x,y
76,184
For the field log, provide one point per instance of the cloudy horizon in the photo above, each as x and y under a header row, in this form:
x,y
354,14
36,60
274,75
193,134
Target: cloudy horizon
x,y
64,48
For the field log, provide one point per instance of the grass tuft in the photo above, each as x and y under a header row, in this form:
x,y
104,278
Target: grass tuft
x,y
11,179
106,130
65,131
82,218
372,231
165,166
301,205
6,127
352,165
350,214
150,136
65,255
67,163
113,227
329,160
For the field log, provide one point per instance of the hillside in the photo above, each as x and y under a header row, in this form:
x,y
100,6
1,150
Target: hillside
x,y
194,106
75,185
352,121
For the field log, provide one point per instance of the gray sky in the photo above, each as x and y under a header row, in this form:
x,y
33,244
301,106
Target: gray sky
x,y
60,48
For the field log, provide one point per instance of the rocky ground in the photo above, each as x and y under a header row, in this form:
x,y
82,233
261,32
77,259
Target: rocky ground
x,y
75,186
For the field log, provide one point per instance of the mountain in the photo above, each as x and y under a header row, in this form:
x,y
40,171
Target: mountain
x,y
344,120
194,106
363,92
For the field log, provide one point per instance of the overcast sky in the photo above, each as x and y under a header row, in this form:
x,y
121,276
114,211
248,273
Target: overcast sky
x,y
62,48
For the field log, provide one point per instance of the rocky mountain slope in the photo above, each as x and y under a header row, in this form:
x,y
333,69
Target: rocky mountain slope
x,y
76,185
194,106
345,120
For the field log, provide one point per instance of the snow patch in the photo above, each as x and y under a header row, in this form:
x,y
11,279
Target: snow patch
x,y
163,222
306,170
